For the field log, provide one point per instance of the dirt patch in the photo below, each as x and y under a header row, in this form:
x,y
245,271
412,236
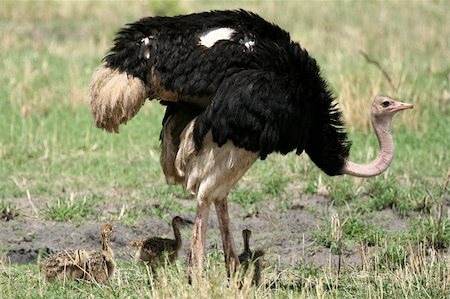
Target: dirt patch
x,y
286,234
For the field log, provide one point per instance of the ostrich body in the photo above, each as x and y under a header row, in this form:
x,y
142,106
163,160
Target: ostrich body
x,y
82,264
236,89
156,251
248,256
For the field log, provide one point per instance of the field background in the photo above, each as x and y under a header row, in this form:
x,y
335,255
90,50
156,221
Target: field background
x,y
61,178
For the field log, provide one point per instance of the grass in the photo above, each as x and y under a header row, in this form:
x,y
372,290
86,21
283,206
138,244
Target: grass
x,y
49,147
394,273
69,208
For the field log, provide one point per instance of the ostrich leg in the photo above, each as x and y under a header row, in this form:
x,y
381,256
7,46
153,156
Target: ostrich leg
x,y
229,249
197,248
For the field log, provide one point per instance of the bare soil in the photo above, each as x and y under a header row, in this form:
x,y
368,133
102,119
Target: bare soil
x,y
286,234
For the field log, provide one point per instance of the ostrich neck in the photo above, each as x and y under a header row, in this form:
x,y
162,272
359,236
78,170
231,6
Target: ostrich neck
x,y
246,243
381,127
106,246
176,232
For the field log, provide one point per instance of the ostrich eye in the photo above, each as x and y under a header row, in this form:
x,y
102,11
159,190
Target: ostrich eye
x,y
386,104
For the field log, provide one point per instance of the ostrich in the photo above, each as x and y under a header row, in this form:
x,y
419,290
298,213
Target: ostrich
x,y
82,264
154,249
248,256
236,88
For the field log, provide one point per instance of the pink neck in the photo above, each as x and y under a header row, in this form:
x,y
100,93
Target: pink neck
x,y
384,157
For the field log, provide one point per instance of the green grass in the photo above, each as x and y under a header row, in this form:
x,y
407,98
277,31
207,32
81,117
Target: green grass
x,y
69,208
396,272
6,206
50,148
433,230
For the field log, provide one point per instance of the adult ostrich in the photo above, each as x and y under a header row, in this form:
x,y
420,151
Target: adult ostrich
x,y
236,89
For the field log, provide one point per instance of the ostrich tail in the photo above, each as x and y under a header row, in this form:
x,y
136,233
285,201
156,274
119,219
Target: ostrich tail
x,y
115,97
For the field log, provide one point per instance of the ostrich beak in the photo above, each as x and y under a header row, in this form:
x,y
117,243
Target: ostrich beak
x,y
187,222
399,106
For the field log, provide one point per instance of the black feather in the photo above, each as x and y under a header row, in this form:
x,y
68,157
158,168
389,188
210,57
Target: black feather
x,y
264,92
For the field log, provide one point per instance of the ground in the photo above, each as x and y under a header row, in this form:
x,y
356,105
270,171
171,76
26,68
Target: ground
x,y
286,233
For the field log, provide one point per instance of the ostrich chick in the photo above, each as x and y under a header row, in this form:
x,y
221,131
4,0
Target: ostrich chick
x,y
82,264
247,257
155,250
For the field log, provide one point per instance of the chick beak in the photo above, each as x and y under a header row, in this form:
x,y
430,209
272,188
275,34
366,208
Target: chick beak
x,y
187,222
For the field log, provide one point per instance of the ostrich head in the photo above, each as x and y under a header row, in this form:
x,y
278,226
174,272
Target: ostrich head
x,y
178,221
246,234
384,107
383,110
106,230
